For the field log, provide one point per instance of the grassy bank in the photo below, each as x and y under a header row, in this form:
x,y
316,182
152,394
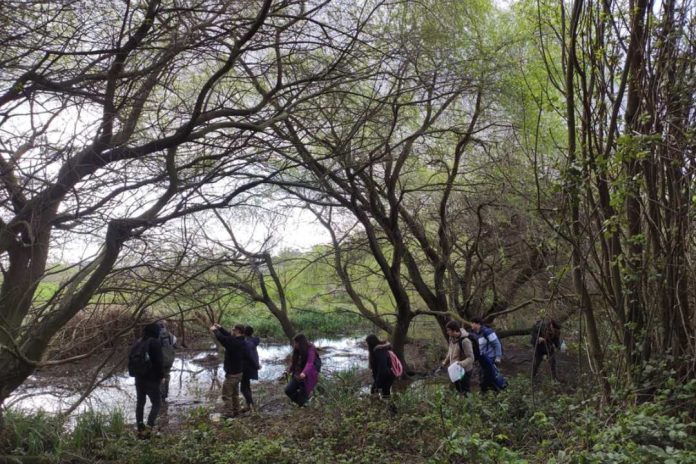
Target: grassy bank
x,y
431,424
313,323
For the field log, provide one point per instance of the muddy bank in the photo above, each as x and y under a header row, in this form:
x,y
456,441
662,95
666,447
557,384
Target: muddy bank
x,y
196,379
197,375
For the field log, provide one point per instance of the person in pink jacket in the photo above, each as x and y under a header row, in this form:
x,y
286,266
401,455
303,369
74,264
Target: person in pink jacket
x,y
303,370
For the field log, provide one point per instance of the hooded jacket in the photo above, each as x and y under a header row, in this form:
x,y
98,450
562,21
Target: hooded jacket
x,y
551,336
489,345
308,369
381,365
154,349
464,356
252,366
235,351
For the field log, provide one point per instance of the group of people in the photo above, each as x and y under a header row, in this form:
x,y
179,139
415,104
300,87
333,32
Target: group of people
x,y
483,346
151,359
242,365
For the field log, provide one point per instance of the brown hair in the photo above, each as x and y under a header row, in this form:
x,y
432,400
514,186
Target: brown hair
x,y
299,353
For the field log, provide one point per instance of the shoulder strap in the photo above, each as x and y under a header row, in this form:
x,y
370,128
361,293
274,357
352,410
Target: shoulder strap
x,y
460,341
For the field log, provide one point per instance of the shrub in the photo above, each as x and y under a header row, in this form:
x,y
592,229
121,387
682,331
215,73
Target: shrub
x,y
93,428
30,434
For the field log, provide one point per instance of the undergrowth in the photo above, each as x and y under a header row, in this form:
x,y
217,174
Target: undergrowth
x,y
425,423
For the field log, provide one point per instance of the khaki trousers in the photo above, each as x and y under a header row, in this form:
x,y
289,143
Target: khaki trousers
x,y
230,394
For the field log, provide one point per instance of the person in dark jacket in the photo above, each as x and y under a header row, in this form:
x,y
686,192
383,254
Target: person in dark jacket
x,y
235,358
304,375
251,368
380,365
148,385
546,339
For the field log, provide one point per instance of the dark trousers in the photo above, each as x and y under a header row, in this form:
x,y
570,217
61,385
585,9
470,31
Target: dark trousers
x,y
463,385
296,391
145,388
384,388
245,388
164,386
540,351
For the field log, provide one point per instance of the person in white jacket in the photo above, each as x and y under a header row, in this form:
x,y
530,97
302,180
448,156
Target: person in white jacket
x,y
460,352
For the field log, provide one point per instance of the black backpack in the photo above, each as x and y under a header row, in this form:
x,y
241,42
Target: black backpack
x,y
474,345
139,362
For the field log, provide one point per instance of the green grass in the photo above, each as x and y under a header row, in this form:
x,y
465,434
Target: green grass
x,y
93,428
34,434
313,323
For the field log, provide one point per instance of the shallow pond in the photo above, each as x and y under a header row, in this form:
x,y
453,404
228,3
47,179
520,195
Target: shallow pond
x,y
194,379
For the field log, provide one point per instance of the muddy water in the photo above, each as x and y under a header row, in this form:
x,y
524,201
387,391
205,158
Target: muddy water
x,y
196,379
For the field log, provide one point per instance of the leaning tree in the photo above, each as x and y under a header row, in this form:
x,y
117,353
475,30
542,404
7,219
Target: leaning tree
x,y
118,118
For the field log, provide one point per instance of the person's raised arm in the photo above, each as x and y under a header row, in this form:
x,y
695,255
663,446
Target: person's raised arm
x,y
221,334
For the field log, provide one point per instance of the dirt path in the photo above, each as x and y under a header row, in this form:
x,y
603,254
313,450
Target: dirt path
x,y
197,385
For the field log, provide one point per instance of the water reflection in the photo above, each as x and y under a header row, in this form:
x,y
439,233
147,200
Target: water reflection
x,y
195,379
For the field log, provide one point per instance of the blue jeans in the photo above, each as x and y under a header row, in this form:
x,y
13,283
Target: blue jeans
x,y
490,378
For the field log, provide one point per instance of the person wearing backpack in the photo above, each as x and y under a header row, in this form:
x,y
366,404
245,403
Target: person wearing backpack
x,y
491,353
381,365
235,358
168,344
460,351
546,339
303,370
251,368
146,365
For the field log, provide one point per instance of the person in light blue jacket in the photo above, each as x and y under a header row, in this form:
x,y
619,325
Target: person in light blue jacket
x,y
491,354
